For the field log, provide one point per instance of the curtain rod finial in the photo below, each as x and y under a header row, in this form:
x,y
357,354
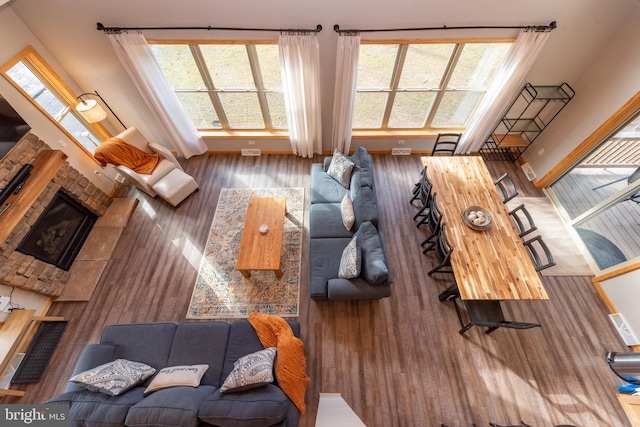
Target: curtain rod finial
x,y
553,25
336,28
319,28
99,26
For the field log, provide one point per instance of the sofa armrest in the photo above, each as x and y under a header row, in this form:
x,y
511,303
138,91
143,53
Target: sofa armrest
x,y
92,355
165,153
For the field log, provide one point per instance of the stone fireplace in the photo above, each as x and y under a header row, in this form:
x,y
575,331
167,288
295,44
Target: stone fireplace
x,y
27,271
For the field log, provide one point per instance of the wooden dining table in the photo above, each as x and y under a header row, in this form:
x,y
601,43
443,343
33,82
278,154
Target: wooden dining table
x,y
492,264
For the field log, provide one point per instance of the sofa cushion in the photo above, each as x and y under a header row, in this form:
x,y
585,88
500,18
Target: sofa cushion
x,y
362,159
323,188
324,257
175,407
374,267
325,220
251,371
114,378
259,407
340,168
346,212
365,207
355,289
88,408
174,376
351,260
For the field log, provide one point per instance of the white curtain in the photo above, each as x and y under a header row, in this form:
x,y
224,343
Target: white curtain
x,y
508,80
137,58
345,92
300,67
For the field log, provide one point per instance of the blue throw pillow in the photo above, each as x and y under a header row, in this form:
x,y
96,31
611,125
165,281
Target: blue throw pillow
x,y
374,267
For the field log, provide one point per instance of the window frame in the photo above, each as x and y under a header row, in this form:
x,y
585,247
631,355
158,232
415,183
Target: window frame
x,y
427,131
225,132
35,62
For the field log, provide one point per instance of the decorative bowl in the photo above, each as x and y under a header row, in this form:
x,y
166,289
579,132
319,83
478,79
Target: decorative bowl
x,y
474,212
263,228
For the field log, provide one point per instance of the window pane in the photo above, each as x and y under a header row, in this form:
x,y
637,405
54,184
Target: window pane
x,y
199,108
228,66
456,108
478,64
80,132
33,85
178,66
410,109
425,65
277,112
375,65
369,109
269,60
242,110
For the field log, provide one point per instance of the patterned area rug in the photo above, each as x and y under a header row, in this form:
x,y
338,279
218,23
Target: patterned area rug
x,y
220,290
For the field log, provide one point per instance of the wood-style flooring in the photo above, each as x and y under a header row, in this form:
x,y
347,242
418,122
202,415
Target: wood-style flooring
x,y
399,362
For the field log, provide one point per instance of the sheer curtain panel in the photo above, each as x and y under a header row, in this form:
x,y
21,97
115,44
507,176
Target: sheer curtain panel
x,y
137,58
300,67
509,79
345,92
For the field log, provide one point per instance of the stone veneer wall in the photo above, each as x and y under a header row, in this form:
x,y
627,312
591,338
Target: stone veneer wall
x,y
24,271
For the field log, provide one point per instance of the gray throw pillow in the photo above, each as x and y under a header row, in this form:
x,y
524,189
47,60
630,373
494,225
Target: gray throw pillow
x,y
340,168
115,377
251,371
350,261
374,267
365,207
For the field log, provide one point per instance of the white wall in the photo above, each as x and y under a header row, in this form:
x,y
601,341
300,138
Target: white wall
x,y
624,293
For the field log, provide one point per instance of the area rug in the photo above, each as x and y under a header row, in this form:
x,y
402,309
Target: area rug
x,y
220,290
605,253
568,257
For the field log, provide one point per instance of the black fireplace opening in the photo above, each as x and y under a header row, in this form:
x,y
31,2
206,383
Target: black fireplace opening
x,y
59,233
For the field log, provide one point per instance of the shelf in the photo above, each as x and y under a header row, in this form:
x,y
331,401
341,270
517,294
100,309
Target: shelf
x,y
510,140
45,167
521,125
563,92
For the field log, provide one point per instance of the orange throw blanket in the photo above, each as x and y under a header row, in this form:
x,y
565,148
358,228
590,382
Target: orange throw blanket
x,y
290,364
118,152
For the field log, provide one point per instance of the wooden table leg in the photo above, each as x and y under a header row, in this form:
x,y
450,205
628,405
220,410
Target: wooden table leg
x,y
245,273
278,273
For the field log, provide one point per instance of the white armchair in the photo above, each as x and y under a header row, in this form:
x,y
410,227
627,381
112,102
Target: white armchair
x,y
168,179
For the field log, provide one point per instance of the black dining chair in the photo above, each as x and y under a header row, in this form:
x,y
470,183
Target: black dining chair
x,y
417,185
522,220
433,220
507,187
424,196
446,144
539,253
443,250
487,313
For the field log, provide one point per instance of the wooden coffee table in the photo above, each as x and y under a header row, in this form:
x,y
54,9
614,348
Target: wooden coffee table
x,y
261,251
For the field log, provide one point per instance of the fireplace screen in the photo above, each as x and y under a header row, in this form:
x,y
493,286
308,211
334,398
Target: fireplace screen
x,y
58,234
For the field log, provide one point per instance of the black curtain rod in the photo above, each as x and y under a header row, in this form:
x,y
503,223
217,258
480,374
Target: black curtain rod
x,y
540,28
101,27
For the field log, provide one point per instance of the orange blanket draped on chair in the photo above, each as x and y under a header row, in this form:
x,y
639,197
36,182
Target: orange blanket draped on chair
x,y
118,152
290,364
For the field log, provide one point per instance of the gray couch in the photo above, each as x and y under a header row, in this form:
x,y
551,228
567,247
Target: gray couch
x,y
163,344
329,236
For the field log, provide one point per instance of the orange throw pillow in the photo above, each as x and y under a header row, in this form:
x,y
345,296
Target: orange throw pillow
x,y
118,152
290,364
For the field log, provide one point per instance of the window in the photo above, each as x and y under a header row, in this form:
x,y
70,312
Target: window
x,y
32,76
423,86
226,86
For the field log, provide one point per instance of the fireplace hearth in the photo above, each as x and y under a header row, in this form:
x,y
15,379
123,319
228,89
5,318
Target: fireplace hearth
x,y
59,232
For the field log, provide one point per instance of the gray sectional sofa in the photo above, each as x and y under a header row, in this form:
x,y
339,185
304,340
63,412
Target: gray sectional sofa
x,y
329,236
169,344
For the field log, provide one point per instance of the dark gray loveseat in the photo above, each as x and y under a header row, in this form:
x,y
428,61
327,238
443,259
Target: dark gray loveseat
x,y
329,236
164,344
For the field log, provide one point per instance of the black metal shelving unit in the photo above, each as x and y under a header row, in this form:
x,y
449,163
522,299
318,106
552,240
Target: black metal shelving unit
x,y
529,114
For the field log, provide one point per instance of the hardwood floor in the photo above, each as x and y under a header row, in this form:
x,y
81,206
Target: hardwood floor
x,y
399,362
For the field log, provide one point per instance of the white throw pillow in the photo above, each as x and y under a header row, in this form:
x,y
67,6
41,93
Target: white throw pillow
x,y
251,371
351,260
114,378
340,168
346,210
174,376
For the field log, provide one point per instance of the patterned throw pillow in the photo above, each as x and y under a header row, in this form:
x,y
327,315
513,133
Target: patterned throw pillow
x,y
346,210
115,377
174,376
340,168
251,371
350,261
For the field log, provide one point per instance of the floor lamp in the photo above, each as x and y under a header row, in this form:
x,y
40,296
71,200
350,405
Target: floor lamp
x,y
92,111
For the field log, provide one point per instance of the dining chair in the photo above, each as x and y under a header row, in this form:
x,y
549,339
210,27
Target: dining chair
x,y
443,250
433,220
417,185
446,144
487,313
522,220
539,253
424,195
507,187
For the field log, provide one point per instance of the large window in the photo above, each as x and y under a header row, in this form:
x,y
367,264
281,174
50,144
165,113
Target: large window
x,y
32,76
226,86
423,86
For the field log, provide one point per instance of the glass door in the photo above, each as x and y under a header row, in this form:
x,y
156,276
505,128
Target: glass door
x,y
601,196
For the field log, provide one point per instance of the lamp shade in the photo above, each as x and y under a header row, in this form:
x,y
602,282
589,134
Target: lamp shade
x,y
91,111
